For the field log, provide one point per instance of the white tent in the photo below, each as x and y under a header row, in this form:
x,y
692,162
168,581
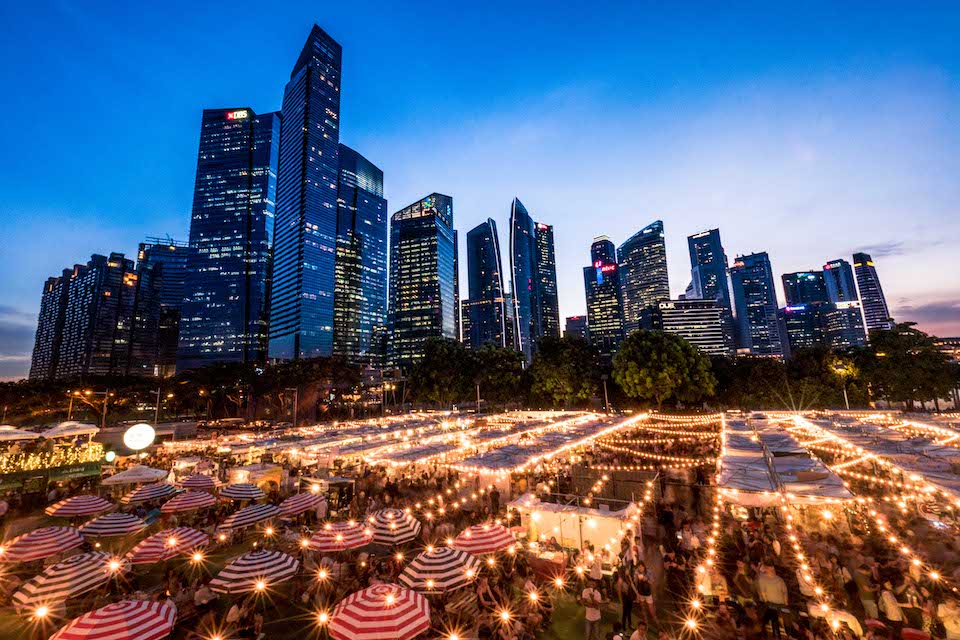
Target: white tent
x,y
573,526
136,475
70,429
9,433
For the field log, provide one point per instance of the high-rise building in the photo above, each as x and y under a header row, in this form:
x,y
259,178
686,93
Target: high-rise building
x,y
524,275
875,310
224,316
601,281
305,236
755,302
840,283
423,278
643,276
547,281
53,309
484,314
699,322
804,287
576,326
156,327
802,326
843,325
360,288
708,266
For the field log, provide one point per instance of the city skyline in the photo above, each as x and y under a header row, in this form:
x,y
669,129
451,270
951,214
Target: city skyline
x,y
904,224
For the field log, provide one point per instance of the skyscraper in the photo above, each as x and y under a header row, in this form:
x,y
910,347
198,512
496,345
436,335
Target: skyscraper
x,y
547,281
839,280
524,278
843,325
53,309
360,288
156,327
423,272
305,238
699,322
484,312
576,327
755,301
804,287
802,326
708,266
224,317
601,282
875,310
643,276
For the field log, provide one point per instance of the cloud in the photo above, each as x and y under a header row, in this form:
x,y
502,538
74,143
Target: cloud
x,y
17,330
884,249
940,317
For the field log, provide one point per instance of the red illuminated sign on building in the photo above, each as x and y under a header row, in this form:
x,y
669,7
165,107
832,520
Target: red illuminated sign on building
x,y
241,114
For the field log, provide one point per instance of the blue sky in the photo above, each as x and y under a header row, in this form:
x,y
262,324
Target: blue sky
x,y
809,132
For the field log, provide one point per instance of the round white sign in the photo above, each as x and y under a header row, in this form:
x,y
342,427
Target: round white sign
x,y
139,436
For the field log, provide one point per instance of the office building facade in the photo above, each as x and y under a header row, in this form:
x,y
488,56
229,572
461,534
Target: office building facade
x,y
601,282
547,281
875,311
802,326
157,317
755,303
804,287
699,322
524,279
484,313
840,284
843,325
643,276
576,327
53,309
225,312
708,268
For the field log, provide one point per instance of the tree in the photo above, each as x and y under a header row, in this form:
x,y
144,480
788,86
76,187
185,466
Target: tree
x,y
904,364
499,372
565,371
442,375
660,366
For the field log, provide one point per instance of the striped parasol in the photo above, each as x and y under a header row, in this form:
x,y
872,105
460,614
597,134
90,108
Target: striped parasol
x,y
124,620
381,612
242,491
113,525
72,577
78,506
40,543
440,569
189,501
341,536
200,481
484,538
255,571
300,502
394,526
149,492
249,516
166,544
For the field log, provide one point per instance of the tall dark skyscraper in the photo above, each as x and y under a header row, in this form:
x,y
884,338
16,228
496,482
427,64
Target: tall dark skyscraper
x,y
708,267
804,287
875,310
53,309
601,281
803,326
360,289
524,278
843,325
576,327
305,238
839,280
485,319
156,328
224,317
643,276
423,278
755,302
547,281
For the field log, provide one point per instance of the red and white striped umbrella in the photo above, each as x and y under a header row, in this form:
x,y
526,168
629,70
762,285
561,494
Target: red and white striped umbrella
x,y
381,612
149,492
200,481
249,515
394,526
72,577
242,491
300,502
440,569
166,544
78,506
112,525
255,571
189,501
341,536
484,538
40,543
124,620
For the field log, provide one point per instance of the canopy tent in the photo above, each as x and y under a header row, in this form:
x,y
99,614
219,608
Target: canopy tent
x,y
138,474
10,433
71,429
573,526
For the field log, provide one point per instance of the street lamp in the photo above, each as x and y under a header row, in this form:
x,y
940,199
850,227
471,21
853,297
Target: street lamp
x,y
843,371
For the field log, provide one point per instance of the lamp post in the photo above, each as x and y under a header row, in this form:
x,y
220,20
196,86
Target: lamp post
x,y
296,400
606,398
842,371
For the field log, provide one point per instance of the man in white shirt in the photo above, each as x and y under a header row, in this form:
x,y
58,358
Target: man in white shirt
x,y
949,614
590,599
641,632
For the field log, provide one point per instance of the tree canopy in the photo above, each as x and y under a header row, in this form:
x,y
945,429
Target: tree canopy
x,y
565,371
662,367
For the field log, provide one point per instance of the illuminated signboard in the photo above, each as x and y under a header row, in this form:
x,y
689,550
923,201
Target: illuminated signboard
x,y
799,307
139,436
240,114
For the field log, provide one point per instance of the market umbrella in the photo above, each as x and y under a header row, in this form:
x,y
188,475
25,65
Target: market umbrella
x,y
249,515
189,501
149,492
166,544
341,536
113,525
69,429
78,506
255,571
381,612
394,526
484,538
440,569
242,491
200,481
40,543
137,474
300,502
124,620
9,433
72,577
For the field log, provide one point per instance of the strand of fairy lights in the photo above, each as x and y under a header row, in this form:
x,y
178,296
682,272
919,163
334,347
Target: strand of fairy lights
x,y
709,559
656,456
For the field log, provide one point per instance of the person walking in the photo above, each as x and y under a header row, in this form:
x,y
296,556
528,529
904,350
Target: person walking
x,y
590,599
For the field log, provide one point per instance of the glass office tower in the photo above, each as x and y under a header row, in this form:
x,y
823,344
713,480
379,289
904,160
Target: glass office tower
x,y
875,310
755,302
224,317
156,330
601,282
485,319
843,325
708,267
53,309
699,322
525,283
643,276
305,237
804,287
547,281
840,283
360,288
423,272
576,327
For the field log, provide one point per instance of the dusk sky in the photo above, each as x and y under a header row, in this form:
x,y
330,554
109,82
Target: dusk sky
x,y
807,130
